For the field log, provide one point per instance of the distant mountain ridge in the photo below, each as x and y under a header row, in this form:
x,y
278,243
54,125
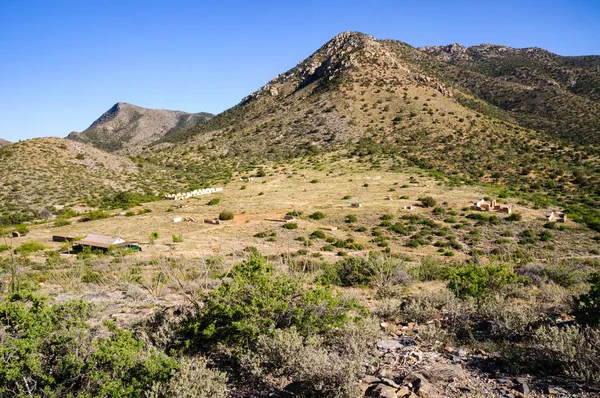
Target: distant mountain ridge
x,y
127,128
556,94
4,142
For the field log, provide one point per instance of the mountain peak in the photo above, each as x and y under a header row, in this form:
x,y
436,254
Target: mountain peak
x,y
128,128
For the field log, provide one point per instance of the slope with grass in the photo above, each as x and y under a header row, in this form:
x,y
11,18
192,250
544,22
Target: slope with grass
x,y
371,96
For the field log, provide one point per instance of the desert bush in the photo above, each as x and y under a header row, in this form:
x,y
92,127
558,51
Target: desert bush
x,y
511,319
61,222
177,238
226,215
515,217
587,306
288,355
354,271
318,235
423,307
154,235
192,379
317,216
214,201
127,199
429,269
94,215
290,225
563,274
428,201
478,280
51,351
351,218
27,248
255,301
572,350
21,229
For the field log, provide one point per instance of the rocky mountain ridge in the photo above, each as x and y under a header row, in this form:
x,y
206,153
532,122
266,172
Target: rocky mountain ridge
x,y
4,142
127,128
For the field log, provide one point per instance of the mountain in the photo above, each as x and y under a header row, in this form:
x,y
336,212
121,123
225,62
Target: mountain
x,y
4,143
127,128
555,94
59,172
50,173
384,101
369,96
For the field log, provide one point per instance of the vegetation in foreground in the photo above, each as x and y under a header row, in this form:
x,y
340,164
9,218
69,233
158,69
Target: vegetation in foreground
x,y
263,324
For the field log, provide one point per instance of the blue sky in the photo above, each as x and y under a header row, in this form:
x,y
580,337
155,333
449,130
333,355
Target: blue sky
x,y
63,63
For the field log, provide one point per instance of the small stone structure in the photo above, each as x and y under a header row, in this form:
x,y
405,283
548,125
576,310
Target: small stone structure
x,y
246,179
408,208
212,221
562,217
178,219
482,205
388,198
355,205
192,194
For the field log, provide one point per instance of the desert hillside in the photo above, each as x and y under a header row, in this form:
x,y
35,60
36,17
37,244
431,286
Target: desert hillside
x,y
127,128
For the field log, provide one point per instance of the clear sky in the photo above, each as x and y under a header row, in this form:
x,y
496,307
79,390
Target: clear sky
x,y
64,63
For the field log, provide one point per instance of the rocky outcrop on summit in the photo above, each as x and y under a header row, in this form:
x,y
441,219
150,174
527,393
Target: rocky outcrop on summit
x,y
329,62
127,128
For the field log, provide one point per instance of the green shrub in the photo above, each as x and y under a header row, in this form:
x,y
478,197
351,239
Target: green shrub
x,y
29,247
546,236
56,352
428,201
226,215
154,235
438,211
429,269
21,229
287,355
126,199
290,225
572,350
256,301
317,216
515,217
193,379
94,215
214,201
177,238
354,271
472,280
265,234
351,218
587,306
61,222
318,235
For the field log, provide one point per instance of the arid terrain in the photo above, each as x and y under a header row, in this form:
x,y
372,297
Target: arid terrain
x,y
389,225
